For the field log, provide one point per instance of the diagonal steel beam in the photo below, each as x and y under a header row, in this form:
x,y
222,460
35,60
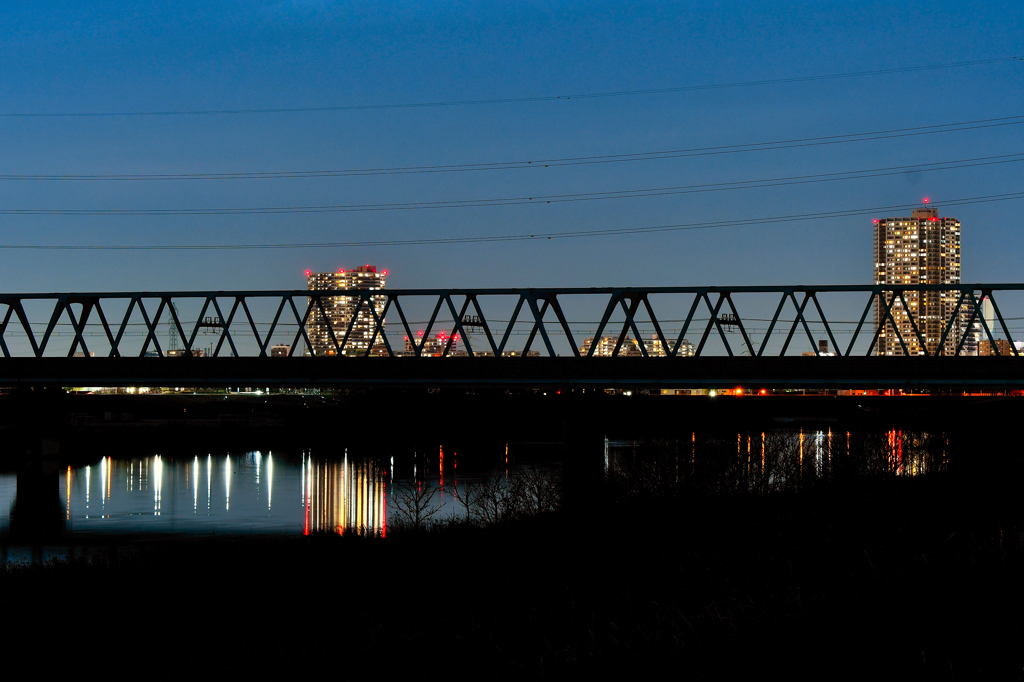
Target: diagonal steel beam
x,y
106,329
3,330
151,334
828,328
686,324
199,320
970,321
557,308
538,325
953,319
860,325
116,345
352,322
739,323
803,322
19,310
78,325
58,310
177,325
457,329
301,321
713,322
405,323
243,301
984,323
1002,323
319,300
796,320
629,324
613,301
887,318
378,328
286,299
771,325
430,323
913,324
657,327
483,322
511,325
226,329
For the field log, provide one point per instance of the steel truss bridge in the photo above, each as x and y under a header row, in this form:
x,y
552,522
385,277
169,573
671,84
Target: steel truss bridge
x,y
699,337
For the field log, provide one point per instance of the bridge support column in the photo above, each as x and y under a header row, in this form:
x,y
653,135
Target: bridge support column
x,y
37,514
582,458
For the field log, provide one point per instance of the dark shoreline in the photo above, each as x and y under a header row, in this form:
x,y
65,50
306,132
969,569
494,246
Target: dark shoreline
x,y
914,577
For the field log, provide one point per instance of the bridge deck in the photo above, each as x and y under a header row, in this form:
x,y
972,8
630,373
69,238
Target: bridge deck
x,y
625,372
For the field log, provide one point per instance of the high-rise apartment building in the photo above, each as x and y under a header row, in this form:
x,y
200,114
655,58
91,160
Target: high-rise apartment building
x,y
605,347
340,310
921,249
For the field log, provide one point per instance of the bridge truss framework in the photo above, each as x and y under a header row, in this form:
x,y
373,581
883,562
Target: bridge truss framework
x,y
29,325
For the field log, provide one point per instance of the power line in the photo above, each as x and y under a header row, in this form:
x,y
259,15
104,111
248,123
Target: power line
x,y
541,199
546,163
576,234
515,100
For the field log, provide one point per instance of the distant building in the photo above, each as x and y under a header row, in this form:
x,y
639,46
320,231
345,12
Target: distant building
x,y
605,347
921,249
341,311
181,352
433,346
280,350
630,347
822,350
1002,347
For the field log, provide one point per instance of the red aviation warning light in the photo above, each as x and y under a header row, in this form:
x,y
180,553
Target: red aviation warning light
x,y
308,273
926,200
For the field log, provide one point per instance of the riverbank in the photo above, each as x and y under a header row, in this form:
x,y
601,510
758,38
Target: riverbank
x,y
913,577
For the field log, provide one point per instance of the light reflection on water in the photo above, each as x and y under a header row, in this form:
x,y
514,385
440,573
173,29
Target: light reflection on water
x,y
254,492
767,461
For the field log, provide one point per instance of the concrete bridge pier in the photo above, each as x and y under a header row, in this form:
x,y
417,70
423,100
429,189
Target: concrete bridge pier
x,y
37,514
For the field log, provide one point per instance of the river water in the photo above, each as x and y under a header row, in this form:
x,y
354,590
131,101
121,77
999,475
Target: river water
x,y
263,492
268,493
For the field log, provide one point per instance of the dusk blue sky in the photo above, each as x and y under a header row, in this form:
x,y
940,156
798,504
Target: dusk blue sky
x,y
130,57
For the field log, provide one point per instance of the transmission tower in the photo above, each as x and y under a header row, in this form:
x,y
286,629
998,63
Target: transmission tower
x,y
172,332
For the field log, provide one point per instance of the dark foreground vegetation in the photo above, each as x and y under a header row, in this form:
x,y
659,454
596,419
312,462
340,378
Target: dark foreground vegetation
x,y
866,575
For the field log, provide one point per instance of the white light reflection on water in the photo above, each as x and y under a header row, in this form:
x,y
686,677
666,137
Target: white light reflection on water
x,y
209,481
158,481
103,484
345,495
163,505
227,483
270,478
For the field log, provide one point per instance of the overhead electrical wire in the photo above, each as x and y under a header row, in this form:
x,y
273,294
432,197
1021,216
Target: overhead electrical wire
x,y
572,234
543,163
539,199
514,100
